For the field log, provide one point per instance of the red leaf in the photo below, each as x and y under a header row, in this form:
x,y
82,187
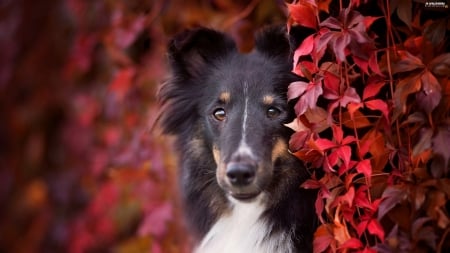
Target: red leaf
x,y
338,134
353,108
323,5
304,49
373,64
368,20
352,243
348,196
345,152
318,205
324,144
311,184
122,82
368,250
306,69
303,14
361,199
361,227
375,83
331,85
378,105
322,239
365,168
375,228
363,64
298,140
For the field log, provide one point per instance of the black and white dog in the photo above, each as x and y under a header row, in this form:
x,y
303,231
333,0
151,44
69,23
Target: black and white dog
x,y
240,184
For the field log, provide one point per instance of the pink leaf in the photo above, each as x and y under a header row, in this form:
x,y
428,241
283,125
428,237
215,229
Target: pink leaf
x,y
350,95
339,44
155,222
331,23
296,89
309,98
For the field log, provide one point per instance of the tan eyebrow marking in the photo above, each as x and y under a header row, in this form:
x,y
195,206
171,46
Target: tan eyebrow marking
x,y
268,99
225,97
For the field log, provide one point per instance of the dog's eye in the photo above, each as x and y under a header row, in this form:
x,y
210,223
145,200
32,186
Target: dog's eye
x,y
273,112
219,114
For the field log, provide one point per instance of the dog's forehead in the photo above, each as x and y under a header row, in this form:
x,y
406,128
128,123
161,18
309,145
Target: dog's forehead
x,y
250,72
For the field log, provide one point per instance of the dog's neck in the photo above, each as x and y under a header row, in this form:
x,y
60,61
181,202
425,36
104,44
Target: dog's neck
x,y
244,230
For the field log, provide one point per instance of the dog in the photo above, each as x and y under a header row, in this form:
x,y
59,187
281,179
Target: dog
x,y
239,183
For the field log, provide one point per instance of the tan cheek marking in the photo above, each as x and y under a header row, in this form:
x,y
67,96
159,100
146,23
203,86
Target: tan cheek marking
x,y
280,149
268,99
225,97
216,154
221,173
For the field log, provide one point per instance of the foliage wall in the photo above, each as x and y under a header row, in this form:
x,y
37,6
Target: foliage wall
x,y
373,122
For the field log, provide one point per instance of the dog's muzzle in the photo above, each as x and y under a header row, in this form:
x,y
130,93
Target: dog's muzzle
x,y
242,175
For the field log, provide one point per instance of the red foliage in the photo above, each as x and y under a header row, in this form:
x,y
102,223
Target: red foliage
x,y
380,154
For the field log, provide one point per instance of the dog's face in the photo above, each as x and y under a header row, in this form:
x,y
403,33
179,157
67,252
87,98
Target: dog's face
x,y
238,101
244,110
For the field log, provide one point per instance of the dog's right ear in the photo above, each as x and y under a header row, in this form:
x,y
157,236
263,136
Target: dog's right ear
x,y
190,51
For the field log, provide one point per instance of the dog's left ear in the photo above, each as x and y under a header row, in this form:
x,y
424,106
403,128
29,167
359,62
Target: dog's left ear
x,y
190,51
273,41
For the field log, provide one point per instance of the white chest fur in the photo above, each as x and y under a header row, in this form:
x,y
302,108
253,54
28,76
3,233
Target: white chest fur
x,y
241,231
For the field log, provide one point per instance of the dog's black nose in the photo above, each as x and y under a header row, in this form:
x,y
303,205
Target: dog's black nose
x,y
241,174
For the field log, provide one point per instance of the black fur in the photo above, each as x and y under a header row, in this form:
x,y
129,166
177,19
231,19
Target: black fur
x,y
203,61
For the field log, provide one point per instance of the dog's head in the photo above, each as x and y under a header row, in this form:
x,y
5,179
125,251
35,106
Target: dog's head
x,y
236,102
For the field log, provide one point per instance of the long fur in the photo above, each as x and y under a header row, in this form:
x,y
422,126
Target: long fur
x,y
281,218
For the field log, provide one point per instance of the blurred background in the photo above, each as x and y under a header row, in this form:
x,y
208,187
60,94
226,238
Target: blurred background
x,y
82,166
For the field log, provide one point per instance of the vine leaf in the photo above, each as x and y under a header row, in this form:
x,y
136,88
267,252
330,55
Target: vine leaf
x,y
304,13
